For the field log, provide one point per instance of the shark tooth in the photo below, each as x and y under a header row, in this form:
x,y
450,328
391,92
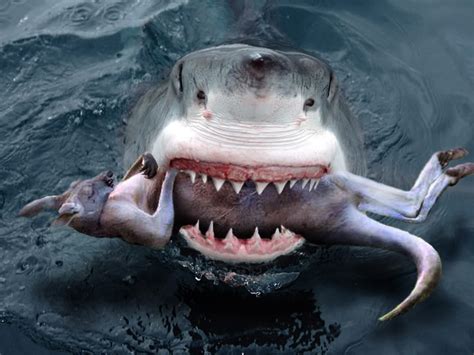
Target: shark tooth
x,y
260,186
314,184
280,186
192,175
304,183
218,183
237,185
210,230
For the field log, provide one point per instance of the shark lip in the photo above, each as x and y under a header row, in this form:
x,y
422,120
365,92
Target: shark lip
x,y
235,250
263,173
259,176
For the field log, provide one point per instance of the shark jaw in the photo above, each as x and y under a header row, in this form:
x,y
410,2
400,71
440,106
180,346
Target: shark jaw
x,y
232,248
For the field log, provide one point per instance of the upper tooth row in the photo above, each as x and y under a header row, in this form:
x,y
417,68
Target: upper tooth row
x,y
260,186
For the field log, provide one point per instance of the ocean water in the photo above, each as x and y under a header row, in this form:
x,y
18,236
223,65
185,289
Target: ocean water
x,y
70,71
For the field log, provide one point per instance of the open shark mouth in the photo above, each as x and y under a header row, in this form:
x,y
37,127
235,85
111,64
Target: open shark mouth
x,y
234,249
255,249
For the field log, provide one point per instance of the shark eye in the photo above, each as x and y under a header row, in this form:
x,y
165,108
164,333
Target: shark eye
x,y
201,95
309,103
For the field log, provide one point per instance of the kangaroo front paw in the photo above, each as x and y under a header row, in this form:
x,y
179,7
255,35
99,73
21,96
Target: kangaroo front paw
x,y
446,156
149,166
459,171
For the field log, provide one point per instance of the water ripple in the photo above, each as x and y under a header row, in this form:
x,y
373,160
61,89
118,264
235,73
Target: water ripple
x,y
80,14
114,13
4,5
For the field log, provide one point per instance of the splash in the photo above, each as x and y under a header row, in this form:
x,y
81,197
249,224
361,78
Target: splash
x,y
256,279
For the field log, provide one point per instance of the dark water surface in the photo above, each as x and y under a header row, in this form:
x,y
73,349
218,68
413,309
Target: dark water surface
x,y
68,71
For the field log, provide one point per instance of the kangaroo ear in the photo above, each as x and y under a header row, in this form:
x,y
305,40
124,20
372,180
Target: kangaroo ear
x,y
36,206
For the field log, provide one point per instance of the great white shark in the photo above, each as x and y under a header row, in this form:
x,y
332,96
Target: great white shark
x,y
251,152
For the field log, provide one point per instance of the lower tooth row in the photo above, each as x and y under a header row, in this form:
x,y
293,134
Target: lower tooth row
x,y
260,186
230,235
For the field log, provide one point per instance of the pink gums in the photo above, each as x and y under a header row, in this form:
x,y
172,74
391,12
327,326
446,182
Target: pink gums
x,y
255,173
233,249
